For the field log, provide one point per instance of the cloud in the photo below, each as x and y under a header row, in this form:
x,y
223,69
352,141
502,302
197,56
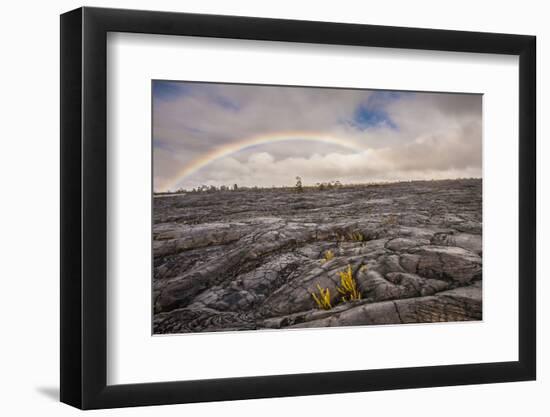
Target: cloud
x,y
404,135
263,170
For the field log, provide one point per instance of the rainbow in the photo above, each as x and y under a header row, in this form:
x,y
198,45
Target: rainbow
x,y
237,146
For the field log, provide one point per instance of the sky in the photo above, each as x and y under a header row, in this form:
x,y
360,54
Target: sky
x,y
258,135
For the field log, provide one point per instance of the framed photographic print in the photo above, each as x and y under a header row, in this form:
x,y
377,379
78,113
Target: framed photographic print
x,y
258,207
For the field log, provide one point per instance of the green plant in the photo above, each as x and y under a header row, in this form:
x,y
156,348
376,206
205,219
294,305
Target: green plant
x,y
356,236
323,299
348,286
328,256
298,186
353,236
391,220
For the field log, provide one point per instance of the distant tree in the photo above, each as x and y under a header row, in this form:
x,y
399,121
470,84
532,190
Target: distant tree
x,y
337,183
235,187
298,185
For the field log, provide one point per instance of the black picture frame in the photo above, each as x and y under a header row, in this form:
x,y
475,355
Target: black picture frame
x,y
84,207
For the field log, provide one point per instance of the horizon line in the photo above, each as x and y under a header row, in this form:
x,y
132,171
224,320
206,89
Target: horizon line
x,y
316,185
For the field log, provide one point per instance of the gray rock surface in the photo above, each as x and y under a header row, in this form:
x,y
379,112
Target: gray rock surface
x,y
250,259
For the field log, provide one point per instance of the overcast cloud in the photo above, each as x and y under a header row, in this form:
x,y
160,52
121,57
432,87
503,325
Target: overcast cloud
x,y
398,135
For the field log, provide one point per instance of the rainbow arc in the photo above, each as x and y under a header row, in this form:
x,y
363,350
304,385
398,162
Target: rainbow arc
x,y
240,145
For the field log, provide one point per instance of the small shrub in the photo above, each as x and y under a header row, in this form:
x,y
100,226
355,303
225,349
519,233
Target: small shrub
x,y
328,256
391,220
298,185
348,286
350,236
357,236
323,299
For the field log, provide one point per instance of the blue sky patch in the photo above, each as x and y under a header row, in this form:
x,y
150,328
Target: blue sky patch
x,y
366,117
160,144
226,103
372,112
169,91
166,90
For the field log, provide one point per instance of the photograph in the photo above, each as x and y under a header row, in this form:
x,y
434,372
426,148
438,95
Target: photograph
x,y
286,207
